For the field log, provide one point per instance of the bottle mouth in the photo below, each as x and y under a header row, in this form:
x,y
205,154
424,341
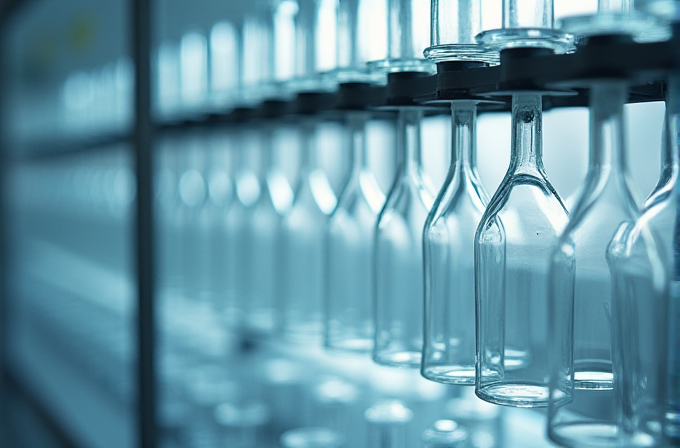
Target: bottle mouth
x,y
501,39
462,53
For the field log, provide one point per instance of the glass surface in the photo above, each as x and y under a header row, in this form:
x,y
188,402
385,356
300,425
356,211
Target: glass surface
x,y
221,191
357,26
640,317
668,9
527,23
315,46
231,301
302,245
195,240
670,163
262,236
311,437
661,215
620,18
512,247
398,259
445,434
448,241
349,249
171,217
387,420
408,34
455,23
581,283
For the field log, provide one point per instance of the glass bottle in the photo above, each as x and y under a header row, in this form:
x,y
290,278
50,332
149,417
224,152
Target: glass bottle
x,y
302,244
235,221
172,221
398,259
351,50
587,391
221,193
445,434
387,423
261,237
581,283
349,246
312,437
408,34
196,243
448,242
448,237
661,216
455,23
514,238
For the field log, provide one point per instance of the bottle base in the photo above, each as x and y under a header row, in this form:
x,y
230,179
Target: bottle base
x,y
518,394
403,359
352,345
597,435
448,374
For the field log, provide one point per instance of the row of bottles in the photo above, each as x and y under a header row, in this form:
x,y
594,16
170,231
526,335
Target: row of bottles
x,y
534,305
282,284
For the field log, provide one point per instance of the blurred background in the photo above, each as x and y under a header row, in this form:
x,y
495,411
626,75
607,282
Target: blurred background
x,y
69,283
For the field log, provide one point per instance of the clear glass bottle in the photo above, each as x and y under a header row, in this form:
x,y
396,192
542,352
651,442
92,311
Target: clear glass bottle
x,y
398,259
448,243
221,193
235,221
661,216
513,241
445,434
387,423
515,236
196,242
302,244
455,23
312,437
408,34
261,237
448,237
617,17
349,247
172,221
581,282
355,19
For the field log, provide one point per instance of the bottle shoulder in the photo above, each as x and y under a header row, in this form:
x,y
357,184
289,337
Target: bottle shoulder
x,y
525,206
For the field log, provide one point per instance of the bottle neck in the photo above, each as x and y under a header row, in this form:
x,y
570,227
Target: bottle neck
x,y
310,159
463,150
356,128
265,156
671,153
527,146
607,143
408,139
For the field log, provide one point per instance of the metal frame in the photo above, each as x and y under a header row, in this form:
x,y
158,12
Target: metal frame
x,y
143,139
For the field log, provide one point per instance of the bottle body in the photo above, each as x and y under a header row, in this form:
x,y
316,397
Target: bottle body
x,y
512,247
349,249
398,259
448,244
303,233
349,271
